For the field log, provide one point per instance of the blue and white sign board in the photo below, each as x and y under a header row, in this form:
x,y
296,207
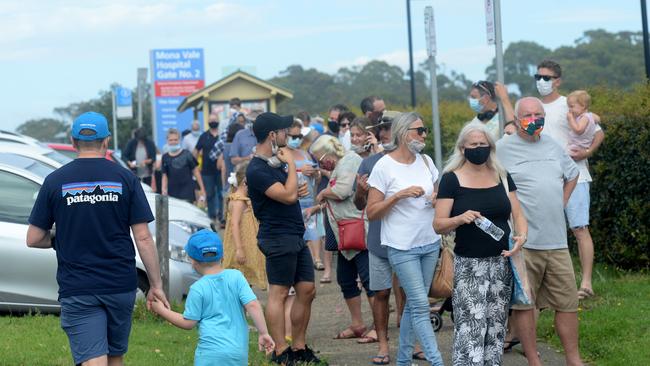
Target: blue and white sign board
x,y
123,103
175,74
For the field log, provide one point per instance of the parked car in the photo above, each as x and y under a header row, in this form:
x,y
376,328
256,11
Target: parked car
x,y
28,276
69,151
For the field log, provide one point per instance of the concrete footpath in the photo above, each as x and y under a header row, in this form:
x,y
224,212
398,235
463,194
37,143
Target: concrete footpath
x,y
330,316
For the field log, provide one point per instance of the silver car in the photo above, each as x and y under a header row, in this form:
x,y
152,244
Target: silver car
x,y
28,276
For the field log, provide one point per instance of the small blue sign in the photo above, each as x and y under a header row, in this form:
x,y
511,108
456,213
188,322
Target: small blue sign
x,y
123,97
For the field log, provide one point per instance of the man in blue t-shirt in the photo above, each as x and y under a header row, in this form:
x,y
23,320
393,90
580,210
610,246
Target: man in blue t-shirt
x,y
273,189
94,203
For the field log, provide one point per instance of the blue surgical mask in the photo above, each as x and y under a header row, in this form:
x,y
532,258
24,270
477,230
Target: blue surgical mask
x,y
174,148
294,143
475,104
196,133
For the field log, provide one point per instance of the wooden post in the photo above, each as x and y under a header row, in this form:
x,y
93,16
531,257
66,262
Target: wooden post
x,y
162,238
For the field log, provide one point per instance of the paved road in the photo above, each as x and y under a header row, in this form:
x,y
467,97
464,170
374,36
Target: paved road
x,y
330,316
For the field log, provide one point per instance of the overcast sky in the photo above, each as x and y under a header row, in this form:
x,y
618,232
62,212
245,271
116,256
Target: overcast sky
x,y
55,52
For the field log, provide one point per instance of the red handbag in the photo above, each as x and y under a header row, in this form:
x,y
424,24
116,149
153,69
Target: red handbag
x,y
352,232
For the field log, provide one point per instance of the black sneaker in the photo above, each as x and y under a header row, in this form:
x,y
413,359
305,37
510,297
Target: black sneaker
x,y
286,358
307,356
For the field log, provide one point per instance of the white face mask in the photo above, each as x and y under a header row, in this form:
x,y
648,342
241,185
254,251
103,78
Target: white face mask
x,y
544,87
415,146
346,140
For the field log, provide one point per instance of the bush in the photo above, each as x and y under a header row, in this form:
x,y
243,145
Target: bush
x,y
620,204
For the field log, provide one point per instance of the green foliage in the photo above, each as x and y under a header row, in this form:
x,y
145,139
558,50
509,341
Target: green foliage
x,y
614,325
620,208
597,58
103,104
46,129
453,116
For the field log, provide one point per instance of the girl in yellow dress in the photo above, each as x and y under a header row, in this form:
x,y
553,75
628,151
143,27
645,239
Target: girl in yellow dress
x,y
240,238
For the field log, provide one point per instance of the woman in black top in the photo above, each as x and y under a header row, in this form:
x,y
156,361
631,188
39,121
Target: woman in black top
x,y
178,167
472,188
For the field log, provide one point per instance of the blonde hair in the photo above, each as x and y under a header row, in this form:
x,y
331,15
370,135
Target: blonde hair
x,y
582,97
240,175
400,129
457,159
327,145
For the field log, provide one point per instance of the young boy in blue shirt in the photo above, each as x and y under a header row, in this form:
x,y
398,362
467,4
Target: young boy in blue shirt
x,y
216,302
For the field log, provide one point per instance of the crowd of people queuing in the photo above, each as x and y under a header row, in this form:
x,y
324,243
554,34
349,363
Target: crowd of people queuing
x,y
292,193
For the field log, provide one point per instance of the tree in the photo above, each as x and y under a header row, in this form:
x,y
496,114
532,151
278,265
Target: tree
x,y
520,64
103,104
45,129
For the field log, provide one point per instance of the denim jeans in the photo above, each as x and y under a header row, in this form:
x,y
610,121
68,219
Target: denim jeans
x,y
212,183
415,268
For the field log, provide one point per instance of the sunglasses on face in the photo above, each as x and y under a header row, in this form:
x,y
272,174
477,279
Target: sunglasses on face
x,y
420,130
538,77
298,136
344,124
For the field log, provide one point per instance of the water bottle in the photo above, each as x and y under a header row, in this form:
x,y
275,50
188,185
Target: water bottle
x,y
488,227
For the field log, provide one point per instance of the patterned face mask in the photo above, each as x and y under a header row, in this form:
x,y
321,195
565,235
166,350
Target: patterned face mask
x,y
532,126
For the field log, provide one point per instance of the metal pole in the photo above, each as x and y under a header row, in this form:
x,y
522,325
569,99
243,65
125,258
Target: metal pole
x,y
114,120
499,56
162,238
436,115
411,73
646,47
142,78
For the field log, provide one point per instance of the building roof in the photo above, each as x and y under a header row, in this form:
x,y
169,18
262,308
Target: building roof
x,y
196,98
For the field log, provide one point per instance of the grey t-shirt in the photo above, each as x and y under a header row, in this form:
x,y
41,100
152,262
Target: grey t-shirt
x,y
373,239
539,169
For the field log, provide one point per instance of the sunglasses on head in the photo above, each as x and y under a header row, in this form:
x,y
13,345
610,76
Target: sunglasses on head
x,y
481,85
420,130
538,77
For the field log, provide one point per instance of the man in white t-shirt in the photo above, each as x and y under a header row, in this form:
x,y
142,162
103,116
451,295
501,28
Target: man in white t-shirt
x,y
548,80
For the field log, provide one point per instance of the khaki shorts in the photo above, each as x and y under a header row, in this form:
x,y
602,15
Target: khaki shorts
x,y
552,281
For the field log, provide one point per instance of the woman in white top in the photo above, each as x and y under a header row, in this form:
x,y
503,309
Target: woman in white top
x,y
403,196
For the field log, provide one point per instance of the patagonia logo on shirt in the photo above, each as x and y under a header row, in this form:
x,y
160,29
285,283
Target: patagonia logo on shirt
x,y
91,192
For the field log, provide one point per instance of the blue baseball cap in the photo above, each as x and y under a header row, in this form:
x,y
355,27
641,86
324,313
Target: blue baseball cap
x,y
205,246
90,121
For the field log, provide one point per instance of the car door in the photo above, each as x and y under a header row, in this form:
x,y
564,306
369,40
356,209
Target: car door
x,y
27,276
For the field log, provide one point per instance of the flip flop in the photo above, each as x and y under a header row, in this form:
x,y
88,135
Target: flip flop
x,y
584,293
355,333
366,339
419,356
511,343
319,266
383,360
325,280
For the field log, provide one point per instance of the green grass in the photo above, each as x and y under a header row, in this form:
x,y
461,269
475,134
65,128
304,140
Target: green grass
x,y
615,324
39,340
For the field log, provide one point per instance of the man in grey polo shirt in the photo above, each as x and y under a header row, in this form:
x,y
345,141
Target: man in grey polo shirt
x,y
545,176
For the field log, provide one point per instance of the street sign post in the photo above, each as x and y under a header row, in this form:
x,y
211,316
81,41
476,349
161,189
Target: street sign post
x,y
430,33
493,28
175,74
142,79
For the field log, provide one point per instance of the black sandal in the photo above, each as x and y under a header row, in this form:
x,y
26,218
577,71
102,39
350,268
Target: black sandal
x,y
511,343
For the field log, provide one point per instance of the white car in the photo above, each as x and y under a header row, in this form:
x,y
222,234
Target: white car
x,y
28,276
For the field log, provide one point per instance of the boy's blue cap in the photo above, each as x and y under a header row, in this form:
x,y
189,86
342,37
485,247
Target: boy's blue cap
x,y
204,246
90,121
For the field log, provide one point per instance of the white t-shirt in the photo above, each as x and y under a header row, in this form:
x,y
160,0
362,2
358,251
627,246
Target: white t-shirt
x,y
557,126
409,223
491,125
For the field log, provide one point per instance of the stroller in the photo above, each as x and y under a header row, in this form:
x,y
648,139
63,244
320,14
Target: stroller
x,y
436,315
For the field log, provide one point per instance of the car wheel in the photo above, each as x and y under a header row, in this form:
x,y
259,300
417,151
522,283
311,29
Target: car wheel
x,y
143,287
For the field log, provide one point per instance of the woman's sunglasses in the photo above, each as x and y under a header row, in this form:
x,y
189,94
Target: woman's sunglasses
x,y
420,130
298,136
538,77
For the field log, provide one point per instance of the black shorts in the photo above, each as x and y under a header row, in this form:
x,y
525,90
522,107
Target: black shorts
x,y
288,260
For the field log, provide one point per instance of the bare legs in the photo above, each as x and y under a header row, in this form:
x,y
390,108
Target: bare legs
x,y
586,251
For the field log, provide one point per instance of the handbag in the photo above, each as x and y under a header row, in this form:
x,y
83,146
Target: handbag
x,y
443,279
352,232
521,293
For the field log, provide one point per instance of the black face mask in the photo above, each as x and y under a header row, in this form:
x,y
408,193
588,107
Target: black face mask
x,y
333,126
477,155
213,125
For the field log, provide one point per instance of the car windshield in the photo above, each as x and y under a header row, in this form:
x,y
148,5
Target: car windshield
x,y
58,157
36,167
